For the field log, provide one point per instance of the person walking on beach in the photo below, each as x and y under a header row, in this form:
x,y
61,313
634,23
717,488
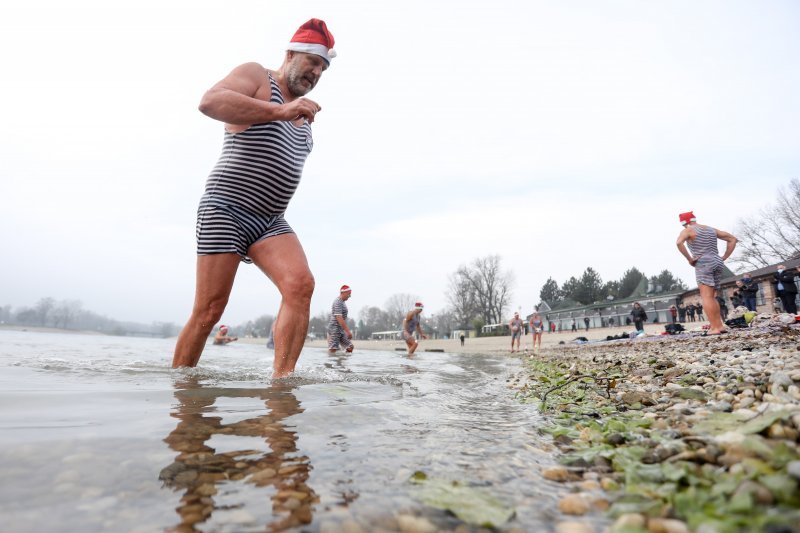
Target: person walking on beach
x,y
698,308
462,339
586,322
339,335
749,290
222,336
681,312
516,331
411,325
690,309
708,265
574,325
267,140
673,313
786,288
537,327
639,316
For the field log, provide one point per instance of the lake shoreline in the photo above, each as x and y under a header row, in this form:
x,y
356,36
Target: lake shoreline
x,y
675,433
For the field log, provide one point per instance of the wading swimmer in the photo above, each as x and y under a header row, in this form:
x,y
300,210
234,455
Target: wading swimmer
x,y
516,331
240,218
411,325
222,336
707,263
537,327
339,335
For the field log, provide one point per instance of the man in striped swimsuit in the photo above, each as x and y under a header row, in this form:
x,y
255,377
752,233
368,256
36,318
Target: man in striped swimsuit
x,y
240,218
411,326
704,257
339,335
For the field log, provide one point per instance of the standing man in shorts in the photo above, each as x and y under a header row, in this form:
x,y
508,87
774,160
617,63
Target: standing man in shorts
x,y
707,263
411,325
516,330
267,140
339,335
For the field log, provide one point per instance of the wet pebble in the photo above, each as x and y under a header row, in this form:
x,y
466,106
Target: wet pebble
x,y
559,473
414,524
793,468
629,521
666,525
573,527
574,504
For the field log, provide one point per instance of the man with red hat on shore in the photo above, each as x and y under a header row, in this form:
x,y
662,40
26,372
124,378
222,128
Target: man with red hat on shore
x,y
267,140
339,335
708,265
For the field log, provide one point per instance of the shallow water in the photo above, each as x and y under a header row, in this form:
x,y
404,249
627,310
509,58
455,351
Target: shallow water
x,y
98,433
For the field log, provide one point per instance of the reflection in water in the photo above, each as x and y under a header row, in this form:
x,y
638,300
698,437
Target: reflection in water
x,y
337,360
213,480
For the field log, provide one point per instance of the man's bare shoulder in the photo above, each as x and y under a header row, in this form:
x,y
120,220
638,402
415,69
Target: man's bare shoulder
x,y
686,233
252,71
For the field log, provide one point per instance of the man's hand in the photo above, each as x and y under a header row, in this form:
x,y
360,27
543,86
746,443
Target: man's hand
x,y
349,335
302,107
693,261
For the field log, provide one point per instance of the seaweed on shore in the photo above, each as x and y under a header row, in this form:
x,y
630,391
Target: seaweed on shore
x,y
724,473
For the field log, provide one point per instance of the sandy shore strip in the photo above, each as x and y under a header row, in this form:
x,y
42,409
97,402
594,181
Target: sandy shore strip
x,y
493,345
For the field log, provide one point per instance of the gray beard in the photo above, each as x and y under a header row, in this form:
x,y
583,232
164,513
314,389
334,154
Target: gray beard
x,y
295,86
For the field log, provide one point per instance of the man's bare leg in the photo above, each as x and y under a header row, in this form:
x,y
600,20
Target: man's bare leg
x,y
412,344
215,274
711,308
283,260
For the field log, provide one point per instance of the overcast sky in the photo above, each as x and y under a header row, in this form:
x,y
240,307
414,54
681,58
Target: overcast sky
x,y
558,135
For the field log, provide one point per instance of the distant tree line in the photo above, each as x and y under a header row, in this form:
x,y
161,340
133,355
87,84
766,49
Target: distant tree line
x,y
70,315
590,288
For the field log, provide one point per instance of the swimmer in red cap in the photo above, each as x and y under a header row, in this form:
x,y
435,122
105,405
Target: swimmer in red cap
x,y
222,336
708,265
411,325
339,334
267,119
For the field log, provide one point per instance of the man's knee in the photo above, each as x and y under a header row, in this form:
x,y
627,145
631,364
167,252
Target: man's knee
x,y
210,312
299,287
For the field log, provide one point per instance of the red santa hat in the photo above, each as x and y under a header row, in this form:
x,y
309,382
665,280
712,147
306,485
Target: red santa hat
x,y
223,326
687,217
345,288
313,37
418,305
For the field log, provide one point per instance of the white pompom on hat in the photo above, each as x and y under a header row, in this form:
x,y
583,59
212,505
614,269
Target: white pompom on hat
x,y
313,37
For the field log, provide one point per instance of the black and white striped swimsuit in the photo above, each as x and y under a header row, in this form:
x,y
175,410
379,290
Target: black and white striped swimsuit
x,y
251,185
709,266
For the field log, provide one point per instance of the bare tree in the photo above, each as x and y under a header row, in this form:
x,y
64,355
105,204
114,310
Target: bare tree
x,y
490,287
44,308
373,319
773,235
66,312
462,300
398,305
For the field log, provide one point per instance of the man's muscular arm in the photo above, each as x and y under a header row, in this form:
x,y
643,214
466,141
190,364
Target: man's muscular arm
x,y
242,98
682,238
730,242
